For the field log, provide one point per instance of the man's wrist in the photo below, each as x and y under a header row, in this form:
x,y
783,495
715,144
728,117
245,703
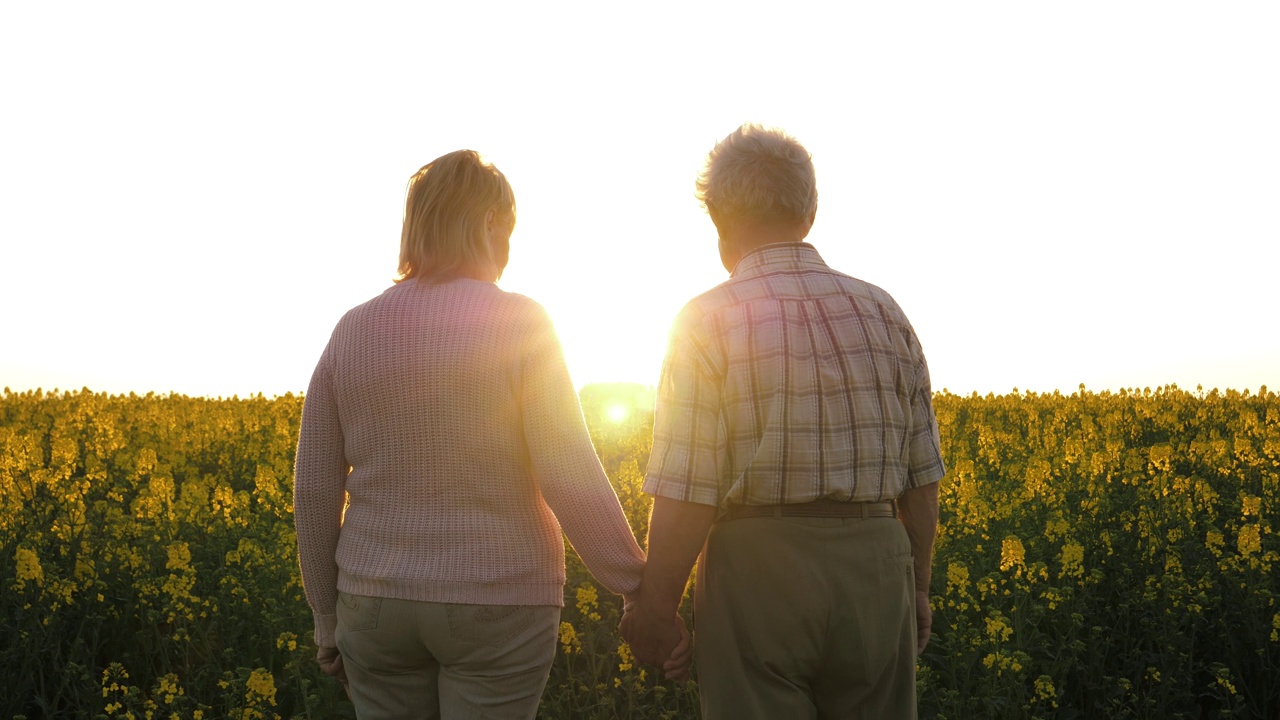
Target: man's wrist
x,y
659,604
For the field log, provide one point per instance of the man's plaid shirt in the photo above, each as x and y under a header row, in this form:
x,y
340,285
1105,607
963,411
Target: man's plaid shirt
x,y
792,382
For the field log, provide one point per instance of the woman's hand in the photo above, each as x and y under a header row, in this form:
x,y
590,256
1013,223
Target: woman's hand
x,y
677,666
331,664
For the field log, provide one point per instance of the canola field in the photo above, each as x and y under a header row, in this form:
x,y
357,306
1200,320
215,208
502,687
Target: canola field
x,y
1100,555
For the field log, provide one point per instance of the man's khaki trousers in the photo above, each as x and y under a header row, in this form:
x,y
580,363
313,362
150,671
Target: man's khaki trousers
x,y
799,617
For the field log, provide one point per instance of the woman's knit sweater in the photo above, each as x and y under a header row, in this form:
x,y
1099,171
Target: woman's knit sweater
x,y
444,417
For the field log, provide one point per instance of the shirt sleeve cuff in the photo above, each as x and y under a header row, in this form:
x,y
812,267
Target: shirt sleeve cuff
x,y
679,491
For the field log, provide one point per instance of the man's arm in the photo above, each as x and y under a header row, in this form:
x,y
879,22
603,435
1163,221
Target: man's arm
x,y
677,532
918,510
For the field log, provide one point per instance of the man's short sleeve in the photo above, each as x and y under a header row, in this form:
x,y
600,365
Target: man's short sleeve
x,y
924,462
688,445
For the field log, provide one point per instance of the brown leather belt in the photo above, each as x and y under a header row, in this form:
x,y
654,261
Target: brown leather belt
x,y
817,508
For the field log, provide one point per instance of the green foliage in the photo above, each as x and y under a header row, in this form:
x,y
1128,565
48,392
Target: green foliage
x,y
148,561
1100,555
1107,555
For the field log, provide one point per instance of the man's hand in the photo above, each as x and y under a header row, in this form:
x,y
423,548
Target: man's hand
x,y
924,620
918,510
331,664
652,636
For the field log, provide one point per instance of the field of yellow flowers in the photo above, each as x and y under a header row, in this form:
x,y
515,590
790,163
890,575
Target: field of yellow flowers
x,y
1100,555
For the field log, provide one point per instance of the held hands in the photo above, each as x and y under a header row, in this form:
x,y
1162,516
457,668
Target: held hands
x,y
656,639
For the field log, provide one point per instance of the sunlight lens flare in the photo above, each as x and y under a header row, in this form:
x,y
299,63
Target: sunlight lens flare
x,y
617,413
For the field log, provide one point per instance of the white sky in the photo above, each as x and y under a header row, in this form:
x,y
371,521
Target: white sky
x,y
191,195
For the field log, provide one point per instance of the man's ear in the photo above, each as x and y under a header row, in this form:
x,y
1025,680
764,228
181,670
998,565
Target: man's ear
x,y
809,226
714,215
719,221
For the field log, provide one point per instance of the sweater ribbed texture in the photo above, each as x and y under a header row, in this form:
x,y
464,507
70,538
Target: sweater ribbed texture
x,y
453,408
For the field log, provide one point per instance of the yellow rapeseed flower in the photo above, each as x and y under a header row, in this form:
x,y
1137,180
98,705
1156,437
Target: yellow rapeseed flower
x,y
1224,679
569,638
1001,662
1045,690
169,688
261,685
1012,554
28,569
588,601
179,556
1072,560
1213,540
625,656
1250,505
997,629
287,640
1250,540
1055,529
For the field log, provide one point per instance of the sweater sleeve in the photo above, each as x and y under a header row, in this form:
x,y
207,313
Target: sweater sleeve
x,y
568,471
319,494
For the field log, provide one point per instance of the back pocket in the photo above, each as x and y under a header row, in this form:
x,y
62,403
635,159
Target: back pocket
x,y
900,568
358,612
490,625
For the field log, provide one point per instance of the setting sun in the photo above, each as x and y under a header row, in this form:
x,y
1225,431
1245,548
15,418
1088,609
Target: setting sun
x,y
617,413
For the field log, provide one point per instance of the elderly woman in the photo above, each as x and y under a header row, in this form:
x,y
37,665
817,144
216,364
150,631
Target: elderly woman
x,y
442,450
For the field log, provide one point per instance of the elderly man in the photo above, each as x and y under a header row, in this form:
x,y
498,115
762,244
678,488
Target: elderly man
x,y
796,454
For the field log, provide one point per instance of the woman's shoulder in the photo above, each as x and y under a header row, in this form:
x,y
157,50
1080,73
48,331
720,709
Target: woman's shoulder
x,y
388,296
472,299
524,304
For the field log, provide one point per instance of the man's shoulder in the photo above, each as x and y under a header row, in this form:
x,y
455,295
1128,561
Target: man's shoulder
x,y
861,288
797,284
715,296
708,304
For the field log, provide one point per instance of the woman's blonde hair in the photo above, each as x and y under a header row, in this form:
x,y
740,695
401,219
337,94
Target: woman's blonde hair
x,y
446,211
759,174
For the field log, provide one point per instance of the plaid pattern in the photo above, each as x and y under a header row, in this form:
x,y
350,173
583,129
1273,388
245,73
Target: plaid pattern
x,y
792,382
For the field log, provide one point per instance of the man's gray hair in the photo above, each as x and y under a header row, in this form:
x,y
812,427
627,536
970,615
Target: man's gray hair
x,y
759,174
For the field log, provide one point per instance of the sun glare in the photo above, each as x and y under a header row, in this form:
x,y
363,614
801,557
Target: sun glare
x,y
617,413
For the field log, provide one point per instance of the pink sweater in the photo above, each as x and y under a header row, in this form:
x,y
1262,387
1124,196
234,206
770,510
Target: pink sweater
x,y
452,408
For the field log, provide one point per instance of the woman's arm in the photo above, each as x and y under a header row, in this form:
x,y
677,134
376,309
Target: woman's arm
x,y
319,478
568,471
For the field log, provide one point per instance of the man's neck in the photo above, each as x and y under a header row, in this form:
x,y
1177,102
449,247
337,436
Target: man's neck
x,y
744,239
750,237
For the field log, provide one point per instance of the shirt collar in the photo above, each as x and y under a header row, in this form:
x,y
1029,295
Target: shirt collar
x,y
777,256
